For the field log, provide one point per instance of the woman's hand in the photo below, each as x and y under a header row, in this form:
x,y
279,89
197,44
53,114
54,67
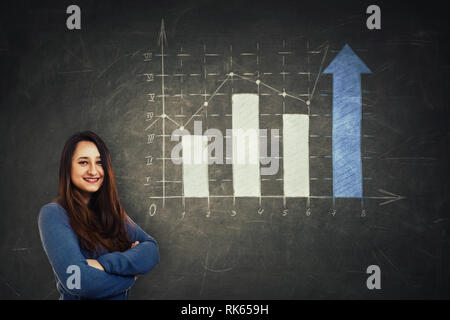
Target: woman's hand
x,y
94,263
134,244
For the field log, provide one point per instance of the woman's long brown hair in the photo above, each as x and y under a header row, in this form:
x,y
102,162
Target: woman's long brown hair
x,y
102,223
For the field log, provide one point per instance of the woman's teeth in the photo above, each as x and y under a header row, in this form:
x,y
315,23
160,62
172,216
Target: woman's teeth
x,y
91,179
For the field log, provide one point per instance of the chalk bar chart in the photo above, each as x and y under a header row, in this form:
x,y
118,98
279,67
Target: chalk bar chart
x,y
346,138
247,149
195,166
296,155
246,170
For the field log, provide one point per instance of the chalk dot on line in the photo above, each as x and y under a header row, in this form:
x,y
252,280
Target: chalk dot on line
x,y
308,102
258,82
231,74
164,115
205,103
284,94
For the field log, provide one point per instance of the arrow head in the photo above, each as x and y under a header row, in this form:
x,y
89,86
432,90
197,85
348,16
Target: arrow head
x,y
162,34
347,62
393,197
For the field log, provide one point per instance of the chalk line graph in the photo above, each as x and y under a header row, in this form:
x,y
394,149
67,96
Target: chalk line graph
x,y
337,67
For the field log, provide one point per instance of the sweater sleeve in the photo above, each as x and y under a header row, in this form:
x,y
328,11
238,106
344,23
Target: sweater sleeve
x,y
62,248
138,260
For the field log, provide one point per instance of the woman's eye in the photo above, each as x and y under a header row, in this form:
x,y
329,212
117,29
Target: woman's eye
x,y
85,162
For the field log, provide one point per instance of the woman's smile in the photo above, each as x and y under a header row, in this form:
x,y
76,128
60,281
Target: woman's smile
x,y
92,180
87,172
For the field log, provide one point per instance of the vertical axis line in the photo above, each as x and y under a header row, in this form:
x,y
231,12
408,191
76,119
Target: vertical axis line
x,y
163,126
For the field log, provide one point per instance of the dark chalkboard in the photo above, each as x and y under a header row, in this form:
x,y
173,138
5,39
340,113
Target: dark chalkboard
x,y
121,73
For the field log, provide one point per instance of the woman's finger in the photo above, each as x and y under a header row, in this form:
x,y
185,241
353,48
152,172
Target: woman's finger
x,y
134,244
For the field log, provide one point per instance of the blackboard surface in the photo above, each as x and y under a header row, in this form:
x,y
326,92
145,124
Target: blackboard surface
x,y
107,77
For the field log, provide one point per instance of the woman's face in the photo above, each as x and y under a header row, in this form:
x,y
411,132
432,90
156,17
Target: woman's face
x,y
87,171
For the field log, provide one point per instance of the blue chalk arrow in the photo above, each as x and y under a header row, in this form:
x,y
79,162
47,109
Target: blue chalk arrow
x,y
346,68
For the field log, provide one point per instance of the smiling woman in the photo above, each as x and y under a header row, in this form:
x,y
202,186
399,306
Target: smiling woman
x,y
85,226
87,171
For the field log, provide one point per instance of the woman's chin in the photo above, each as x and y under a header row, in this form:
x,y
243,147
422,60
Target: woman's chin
x,y
91,189
88,190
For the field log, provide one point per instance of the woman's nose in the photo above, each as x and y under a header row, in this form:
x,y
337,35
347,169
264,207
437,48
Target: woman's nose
x,y
92,170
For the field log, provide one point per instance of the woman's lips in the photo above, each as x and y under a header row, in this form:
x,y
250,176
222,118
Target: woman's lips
x,y
91,180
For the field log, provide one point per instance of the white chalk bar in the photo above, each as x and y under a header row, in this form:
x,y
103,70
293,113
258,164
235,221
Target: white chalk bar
x,y
245,127
296,155
195,166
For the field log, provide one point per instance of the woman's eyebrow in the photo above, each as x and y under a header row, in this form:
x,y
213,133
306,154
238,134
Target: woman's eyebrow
x,y
87,158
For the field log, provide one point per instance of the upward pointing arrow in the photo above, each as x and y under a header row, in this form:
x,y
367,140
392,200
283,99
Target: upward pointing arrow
x,y
347,68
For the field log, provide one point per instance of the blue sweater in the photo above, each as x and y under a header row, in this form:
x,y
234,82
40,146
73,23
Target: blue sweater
x,y
63,250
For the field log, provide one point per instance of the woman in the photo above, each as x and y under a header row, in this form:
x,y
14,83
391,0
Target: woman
x,y
95,249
